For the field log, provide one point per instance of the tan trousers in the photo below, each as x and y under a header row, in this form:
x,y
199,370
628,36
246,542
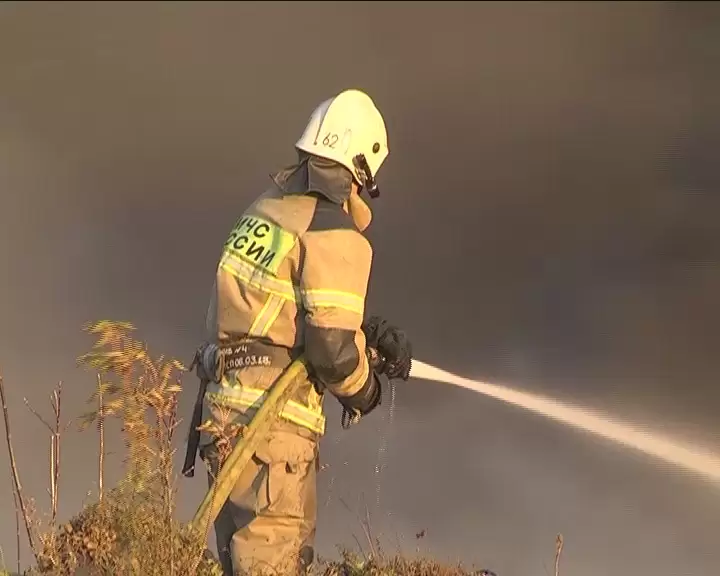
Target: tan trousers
x,y
268,523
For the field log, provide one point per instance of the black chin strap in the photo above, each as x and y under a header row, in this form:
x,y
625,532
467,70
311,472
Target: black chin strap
x,y
368,180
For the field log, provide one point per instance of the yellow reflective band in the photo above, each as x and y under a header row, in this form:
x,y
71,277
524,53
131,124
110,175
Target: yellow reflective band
x,y
267,316
260,243
353,386
319,298
273,316
252,398
260,318
257,278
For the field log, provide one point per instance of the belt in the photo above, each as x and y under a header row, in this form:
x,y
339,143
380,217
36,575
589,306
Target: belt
x,y
250,354
212,361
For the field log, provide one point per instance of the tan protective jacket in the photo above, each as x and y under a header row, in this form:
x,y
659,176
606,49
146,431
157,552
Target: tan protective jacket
x,y
294,273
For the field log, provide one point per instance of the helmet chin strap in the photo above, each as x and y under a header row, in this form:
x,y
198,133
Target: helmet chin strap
x,y
366,176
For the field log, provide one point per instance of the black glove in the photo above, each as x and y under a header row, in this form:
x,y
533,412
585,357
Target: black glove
x,y
393,346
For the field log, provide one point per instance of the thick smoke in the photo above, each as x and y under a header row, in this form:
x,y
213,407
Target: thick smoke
x,y
548,218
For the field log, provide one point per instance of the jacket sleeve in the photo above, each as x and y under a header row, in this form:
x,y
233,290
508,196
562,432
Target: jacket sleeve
x,y
334,279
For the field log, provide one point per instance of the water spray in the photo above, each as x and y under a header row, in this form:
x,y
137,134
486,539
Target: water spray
x,y
648,442
705,464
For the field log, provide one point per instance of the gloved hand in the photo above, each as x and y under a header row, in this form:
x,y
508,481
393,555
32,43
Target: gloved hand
x,y
392,344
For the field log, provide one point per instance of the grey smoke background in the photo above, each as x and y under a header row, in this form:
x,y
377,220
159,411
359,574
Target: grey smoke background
x,y
549,218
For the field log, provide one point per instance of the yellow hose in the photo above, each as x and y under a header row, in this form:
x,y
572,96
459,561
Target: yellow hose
x,y
243,451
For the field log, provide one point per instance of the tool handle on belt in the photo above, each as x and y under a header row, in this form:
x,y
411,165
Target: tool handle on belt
x,y
188,469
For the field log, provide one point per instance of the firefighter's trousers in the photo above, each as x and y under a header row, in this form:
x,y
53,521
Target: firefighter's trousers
x,y
268,523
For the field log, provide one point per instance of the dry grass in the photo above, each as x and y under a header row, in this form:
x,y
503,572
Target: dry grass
x,y
354,565
131,529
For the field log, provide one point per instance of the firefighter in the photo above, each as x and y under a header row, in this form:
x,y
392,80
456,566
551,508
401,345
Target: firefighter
x,y
292,280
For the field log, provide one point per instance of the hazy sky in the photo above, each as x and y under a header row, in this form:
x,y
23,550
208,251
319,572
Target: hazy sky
x,y
549,218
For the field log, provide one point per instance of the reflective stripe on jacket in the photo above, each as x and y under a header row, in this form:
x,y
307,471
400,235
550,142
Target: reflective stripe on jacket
x,y
294,272
249,400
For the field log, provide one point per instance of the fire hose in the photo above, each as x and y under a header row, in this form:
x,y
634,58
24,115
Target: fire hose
x,y
253,434
259,426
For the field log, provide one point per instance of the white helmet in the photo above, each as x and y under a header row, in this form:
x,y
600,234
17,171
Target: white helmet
x,y
349,130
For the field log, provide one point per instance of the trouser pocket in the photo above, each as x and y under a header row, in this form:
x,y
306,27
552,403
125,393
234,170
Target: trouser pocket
x,y
288,486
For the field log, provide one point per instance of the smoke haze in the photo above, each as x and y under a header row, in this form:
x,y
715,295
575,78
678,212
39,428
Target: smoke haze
x,y
549,218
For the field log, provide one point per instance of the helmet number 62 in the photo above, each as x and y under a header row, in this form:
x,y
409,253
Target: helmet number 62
x,y
330,140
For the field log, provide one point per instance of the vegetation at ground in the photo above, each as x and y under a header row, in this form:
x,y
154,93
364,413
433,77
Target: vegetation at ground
x,y
131,528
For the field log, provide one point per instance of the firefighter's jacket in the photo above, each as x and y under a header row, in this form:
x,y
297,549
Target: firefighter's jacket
x,y
294,273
